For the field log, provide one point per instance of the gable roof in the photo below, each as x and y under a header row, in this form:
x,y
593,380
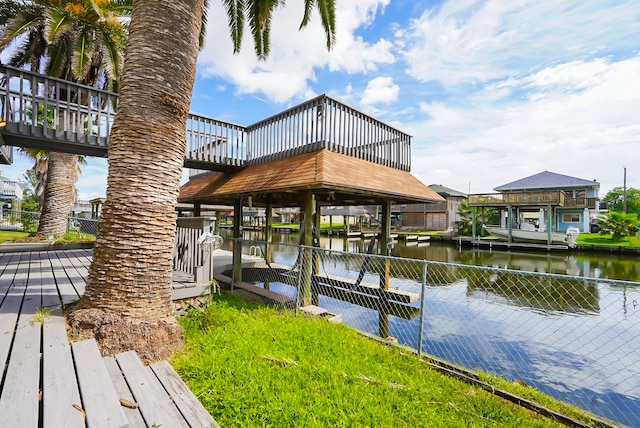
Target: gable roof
x,y
445,191
341,179
546,180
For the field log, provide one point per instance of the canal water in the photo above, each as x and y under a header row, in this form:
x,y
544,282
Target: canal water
x,y
586,352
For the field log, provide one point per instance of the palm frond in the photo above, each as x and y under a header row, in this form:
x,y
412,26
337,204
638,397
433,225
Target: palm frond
x,y
59,23
29,20
83,50
327,9
59,56
203,25
235,10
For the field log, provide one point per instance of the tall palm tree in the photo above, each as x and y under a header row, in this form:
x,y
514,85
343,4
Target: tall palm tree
x,y
131,272
78,40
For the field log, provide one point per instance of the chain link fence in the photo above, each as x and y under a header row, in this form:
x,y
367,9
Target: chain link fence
x,y
575,338
82,226
19,221
24,221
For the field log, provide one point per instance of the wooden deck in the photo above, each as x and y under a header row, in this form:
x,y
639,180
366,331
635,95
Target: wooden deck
x,y
46,382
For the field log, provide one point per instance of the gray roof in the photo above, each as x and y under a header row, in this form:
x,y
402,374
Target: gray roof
x,y
546,180
445,191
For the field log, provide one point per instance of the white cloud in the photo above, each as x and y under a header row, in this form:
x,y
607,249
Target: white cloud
x,y
478,41
295,55
578,119
380,90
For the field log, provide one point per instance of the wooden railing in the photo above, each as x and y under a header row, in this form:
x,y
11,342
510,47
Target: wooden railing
x,y
523,198
324,123
53,114
580,202
532,198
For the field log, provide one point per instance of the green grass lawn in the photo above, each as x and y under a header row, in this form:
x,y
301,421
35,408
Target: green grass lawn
x,y
254,366
287,225
607,240
68,238
10,236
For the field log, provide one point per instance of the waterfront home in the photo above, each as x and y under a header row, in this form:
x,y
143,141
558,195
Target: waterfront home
x,y
433,215
10,194
567,201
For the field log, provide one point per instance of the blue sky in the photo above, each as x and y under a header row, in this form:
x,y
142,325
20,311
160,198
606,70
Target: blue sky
x,y
491,91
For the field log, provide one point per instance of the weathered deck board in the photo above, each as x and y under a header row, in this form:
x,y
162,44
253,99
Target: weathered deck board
x,y
155,405
75,265
99,398
122,389
192,410
8,265
35,355
68,292
59,385
8,317
19,401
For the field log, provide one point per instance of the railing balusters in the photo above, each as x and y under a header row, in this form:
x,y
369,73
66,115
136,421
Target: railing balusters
x,y
84,116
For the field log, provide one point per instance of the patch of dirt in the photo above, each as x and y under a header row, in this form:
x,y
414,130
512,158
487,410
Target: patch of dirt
x,y
115,334
41,239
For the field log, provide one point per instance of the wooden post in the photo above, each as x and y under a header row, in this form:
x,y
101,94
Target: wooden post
x,y
216,224
330,225
196,209
268,232
385,233
315,296
473,223
385,249
306,239
549,213
268,237
237,244
509,222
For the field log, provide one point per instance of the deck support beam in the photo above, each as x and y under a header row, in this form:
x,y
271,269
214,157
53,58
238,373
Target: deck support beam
x,y
510,222
549,227
315,296
237,244
268,232
385,249
306,239
473,223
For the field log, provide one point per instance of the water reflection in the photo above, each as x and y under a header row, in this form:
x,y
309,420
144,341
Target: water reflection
x,y
594,265
548,294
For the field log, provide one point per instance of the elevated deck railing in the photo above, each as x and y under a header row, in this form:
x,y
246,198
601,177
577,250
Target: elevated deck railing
x,y
570,202
324,123
557,197
53,114
523,198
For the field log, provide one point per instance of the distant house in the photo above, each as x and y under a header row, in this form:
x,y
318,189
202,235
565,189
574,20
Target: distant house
x,y
81,209
573,201
435,215
10,194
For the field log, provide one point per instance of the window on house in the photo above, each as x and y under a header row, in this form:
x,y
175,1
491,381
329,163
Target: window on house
x,y
571,218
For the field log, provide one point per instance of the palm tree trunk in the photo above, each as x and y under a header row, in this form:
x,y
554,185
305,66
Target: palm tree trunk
x,y
131,272
59,194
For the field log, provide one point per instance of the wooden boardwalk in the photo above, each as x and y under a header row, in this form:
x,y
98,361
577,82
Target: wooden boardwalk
x,y
46,382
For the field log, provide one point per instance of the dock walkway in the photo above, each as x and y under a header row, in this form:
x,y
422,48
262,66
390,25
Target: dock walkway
x,y
47,382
